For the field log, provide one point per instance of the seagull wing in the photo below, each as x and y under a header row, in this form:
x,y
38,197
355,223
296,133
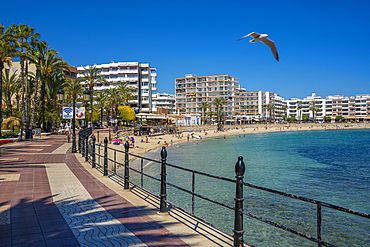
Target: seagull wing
x,y
272,46
253,34
242,37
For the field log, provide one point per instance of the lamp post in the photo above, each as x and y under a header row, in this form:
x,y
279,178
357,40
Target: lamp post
x,y
60,97
87,96
60,94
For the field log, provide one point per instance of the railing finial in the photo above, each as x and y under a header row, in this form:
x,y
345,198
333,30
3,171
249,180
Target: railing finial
x,y
163,153
240,167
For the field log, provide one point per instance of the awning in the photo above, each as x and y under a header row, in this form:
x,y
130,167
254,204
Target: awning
x,y
150,116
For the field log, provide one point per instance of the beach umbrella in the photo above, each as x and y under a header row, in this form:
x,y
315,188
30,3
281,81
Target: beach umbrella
x,y
11,122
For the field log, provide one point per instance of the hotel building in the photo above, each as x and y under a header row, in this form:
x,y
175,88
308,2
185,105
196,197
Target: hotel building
x,y
350,108
252,105
164,100
139,76
192,90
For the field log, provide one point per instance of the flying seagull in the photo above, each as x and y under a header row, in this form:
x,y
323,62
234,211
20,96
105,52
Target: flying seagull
x,y
263,38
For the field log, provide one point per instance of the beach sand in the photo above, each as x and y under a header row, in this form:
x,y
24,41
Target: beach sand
x,y
156,143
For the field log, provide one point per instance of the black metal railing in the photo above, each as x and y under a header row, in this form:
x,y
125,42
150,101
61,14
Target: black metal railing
x,y
239,183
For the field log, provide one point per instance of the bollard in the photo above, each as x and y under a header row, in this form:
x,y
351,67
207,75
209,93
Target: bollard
x,y
127,175
93,152
105,174
238,220
83,144
87,148
163,204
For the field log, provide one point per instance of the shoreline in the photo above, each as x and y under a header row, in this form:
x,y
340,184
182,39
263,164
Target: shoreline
x,y
156,143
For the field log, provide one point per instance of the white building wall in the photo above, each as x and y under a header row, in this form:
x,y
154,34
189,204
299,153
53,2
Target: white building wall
x,y
133,73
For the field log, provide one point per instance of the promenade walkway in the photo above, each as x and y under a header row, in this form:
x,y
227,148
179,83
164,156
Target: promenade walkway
x,y
50,197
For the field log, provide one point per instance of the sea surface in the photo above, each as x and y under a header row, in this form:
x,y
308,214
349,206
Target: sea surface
x,y
331,166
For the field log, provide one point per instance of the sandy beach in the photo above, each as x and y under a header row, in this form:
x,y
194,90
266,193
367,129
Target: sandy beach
x,y
157,142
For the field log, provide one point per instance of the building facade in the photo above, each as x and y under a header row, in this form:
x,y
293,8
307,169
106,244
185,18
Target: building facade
x,y
252,105
164,100
192,90
333,106
140,77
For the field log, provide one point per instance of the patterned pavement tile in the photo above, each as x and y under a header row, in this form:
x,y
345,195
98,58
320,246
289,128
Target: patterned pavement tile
x,y
90,223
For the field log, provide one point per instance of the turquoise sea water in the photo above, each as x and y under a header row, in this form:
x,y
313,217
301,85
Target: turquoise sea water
x,y
329,166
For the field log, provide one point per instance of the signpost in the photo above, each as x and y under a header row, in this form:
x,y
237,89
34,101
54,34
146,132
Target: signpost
x,y
68,112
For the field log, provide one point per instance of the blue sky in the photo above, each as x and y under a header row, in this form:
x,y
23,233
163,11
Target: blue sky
x,y
323,45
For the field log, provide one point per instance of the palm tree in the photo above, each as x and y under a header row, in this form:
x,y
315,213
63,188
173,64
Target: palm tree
x,y
115,99
300,106
101,99
8,50
284,108
219,102
126,92
9,86
210,114
53,84
24,33
314,109
36,56
91,76
73,89
270,108
51,63
203,106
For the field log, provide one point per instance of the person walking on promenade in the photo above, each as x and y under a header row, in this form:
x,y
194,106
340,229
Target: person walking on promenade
x,y
67,128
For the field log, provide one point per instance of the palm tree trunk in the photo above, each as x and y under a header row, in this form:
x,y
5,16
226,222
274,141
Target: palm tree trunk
x,y
28,134
22,91
34,100
42,99
10,103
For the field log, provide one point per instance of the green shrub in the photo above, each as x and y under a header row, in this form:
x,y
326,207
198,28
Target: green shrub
x,y
10,135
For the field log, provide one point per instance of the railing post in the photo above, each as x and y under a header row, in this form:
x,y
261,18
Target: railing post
x,y
93,152
127,175
142,173
79,141
105,174
319,231
238,220
115,162
163,204
83,144
87,148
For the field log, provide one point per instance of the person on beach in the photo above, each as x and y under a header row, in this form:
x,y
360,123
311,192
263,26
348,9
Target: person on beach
x,y
188,137
196,142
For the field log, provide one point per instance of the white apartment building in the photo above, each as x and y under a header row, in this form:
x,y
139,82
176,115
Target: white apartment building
x,y
193,90
139,76
350,108
164,100
252,105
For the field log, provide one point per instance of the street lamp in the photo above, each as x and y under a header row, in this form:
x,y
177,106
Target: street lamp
x,y
87,96
60,95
